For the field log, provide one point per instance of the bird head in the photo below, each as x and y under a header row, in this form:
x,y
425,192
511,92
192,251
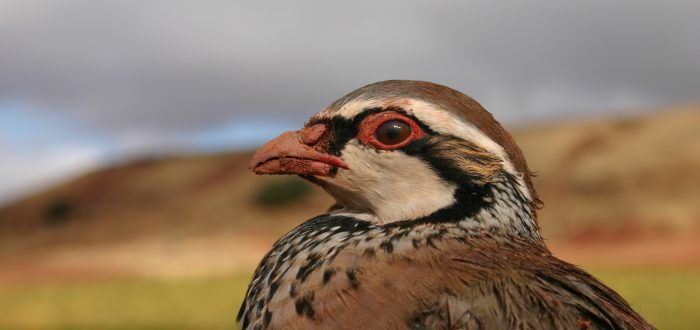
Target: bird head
x,y
397,151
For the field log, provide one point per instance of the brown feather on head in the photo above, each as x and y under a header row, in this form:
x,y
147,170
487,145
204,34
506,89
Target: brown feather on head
x,y
480,163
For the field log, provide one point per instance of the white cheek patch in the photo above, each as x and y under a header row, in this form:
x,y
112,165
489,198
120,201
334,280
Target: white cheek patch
x,y
391,185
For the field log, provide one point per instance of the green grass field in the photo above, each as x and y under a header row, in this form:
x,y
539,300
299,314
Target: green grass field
x,y
668,298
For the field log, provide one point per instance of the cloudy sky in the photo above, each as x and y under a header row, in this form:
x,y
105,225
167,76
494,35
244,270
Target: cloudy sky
x,y
83,83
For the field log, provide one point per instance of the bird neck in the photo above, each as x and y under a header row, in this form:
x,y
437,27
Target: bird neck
x,y
507,210
500,208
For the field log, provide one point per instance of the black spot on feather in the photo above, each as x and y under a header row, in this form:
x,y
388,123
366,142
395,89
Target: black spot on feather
x,y
430,243
352,276
273,288
293,290
387,246
312,262
327,274
267,318
303,305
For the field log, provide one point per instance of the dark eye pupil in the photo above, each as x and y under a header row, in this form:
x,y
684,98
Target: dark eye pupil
x,y
393,132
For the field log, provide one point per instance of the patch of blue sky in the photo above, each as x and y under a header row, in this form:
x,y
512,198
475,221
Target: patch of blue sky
x,y
245,133
24,127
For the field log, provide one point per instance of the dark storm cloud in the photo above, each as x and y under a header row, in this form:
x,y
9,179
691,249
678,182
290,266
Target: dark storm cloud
x,y
165,67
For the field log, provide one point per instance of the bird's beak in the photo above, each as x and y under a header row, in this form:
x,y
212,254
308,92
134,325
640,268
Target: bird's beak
x,y
293,152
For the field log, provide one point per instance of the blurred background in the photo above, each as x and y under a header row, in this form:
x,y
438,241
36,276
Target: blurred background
x,y
126,126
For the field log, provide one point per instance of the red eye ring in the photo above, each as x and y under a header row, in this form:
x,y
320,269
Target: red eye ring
x,y
370,125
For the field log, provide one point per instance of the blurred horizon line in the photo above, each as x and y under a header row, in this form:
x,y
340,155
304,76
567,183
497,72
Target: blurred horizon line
x,y
223,139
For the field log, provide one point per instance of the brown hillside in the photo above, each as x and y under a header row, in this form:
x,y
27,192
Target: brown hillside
x,y
155,199
622,177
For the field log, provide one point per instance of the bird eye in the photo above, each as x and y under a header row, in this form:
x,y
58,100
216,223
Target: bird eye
x,y
389,130
393,132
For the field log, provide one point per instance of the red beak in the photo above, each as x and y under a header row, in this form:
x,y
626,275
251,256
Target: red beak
x,y
294,153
